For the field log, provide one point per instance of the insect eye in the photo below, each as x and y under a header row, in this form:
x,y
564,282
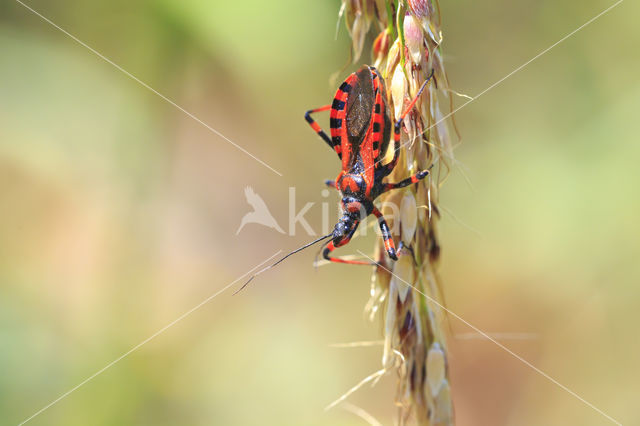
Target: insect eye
x,y
353,207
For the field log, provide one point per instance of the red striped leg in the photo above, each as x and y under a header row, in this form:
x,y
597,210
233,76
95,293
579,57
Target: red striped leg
x,y
330,247
316,127
389,246
406,182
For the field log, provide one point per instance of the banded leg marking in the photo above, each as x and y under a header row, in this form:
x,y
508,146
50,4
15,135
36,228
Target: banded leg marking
x,y
330,247
389,245
406,182
316,127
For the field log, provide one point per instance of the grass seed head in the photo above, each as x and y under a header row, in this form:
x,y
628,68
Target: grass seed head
x,y
406,49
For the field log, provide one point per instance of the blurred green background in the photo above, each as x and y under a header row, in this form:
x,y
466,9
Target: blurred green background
x,y
119,213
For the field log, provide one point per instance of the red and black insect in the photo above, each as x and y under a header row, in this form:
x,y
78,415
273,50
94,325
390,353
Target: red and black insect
x,y
360,133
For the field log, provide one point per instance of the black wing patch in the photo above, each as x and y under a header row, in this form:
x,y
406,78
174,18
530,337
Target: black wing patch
x,y
359,107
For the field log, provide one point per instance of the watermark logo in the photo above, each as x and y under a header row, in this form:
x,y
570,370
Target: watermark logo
x,y
260,214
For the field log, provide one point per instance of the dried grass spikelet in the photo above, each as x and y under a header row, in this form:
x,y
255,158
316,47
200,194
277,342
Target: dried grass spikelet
x,y
406,49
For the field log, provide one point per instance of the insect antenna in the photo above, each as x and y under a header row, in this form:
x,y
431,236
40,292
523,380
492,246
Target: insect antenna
x,y
283,258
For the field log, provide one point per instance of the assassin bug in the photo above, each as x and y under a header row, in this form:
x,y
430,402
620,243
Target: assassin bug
x,y
360,133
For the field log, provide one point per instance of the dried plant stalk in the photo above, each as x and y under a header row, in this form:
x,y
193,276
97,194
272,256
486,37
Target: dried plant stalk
x,y
406,50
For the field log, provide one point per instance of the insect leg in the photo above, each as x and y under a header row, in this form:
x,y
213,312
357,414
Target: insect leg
x,y
406,182
386,234
315,126
331,183
331,247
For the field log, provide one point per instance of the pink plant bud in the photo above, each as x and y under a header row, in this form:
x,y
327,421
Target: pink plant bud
x,y
414,38
420,8
423,11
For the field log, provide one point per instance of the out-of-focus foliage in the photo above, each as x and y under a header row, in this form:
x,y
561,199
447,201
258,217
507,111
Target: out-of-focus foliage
x,y
119,213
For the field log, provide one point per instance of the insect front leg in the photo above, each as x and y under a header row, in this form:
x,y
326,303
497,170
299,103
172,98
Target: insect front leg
x,y
327,251
331,247
389,245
